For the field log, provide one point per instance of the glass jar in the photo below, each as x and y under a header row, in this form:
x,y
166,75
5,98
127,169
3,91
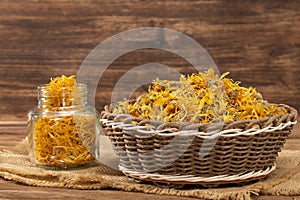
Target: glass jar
x,y
63,129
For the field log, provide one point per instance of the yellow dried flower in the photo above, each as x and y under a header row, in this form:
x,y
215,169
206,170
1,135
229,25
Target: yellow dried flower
x,y
199,98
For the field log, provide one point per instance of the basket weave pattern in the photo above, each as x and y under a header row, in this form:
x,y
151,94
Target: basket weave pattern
x,y
244,146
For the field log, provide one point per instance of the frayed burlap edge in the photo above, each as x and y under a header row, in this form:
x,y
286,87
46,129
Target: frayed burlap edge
x,y
15,166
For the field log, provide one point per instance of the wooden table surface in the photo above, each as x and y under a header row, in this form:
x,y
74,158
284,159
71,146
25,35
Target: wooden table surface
x,y
13,132
257,41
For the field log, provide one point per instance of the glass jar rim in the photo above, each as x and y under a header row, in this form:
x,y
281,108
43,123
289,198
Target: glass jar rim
x,y
77,85
77,91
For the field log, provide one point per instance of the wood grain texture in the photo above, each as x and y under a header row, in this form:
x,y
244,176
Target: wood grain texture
x,y
11,190
257,41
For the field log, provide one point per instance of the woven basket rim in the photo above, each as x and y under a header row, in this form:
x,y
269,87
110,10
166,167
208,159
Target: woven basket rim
x,y
243,125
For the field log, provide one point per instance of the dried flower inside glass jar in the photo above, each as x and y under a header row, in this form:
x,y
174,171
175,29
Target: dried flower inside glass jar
x,y
63,129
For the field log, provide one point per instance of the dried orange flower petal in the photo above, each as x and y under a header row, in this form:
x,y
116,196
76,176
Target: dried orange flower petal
x,y
199,98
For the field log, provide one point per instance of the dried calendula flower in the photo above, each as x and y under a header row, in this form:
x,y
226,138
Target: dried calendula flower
x,y
199,98
63,130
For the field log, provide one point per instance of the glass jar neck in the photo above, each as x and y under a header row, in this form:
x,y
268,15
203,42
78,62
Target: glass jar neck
x,y
63,98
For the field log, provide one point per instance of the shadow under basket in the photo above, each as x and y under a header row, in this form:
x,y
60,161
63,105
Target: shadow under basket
x,y
206,154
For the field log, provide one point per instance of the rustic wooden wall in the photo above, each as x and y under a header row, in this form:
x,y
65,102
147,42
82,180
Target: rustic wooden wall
x,y
257,41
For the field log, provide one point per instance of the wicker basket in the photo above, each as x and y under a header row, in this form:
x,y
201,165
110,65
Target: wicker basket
x,y
182,153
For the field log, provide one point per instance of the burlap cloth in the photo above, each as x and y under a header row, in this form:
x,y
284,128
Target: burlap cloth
x,y
15,165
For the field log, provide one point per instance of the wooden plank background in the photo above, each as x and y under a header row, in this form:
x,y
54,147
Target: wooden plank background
x,y
257,41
